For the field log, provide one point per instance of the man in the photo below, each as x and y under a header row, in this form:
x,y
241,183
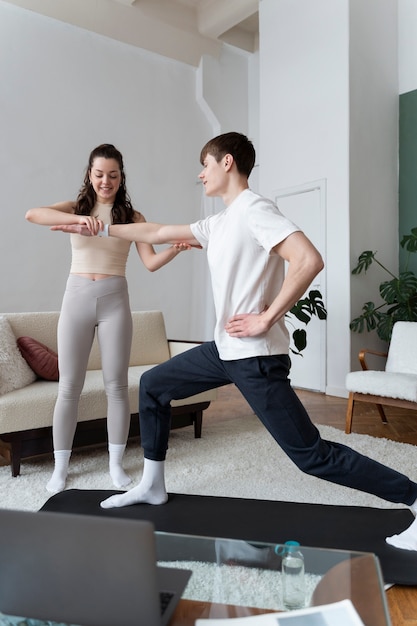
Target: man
x,y
247,246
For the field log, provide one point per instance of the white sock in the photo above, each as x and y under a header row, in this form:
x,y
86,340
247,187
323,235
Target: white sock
x,y
118,475
151,489
407,540
59,476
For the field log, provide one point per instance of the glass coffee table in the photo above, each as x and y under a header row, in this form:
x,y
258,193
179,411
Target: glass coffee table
x,y
233,578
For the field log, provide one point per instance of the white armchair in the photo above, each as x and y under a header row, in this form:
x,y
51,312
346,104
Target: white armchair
x,y
396,385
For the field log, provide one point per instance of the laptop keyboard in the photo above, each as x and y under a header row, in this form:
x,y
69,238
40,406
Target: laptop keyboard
x,y
165,598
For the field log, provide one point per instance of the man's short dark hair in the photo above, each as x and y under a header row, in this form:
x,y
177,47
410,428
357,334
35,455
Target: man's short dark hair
x,y
236,144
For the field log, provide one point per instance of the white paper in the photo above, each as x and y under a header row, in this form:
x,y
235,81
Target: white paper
x,y
341,613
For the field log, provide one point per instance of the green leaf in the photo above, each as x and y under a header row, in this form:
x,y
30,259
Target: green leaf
x,y
364,261
399,295
367,320
409,242
301,310
384,328
311,305
399,289
405,311
317,304
304,310
357,324
299,337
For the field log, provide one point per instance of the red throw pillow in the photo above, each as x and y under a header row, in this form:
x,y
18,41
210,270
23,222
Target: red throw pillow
x,y
39,357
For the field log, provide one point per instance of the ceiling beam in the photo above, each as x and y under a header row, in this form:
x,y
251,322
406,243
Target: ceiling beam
x,y
129,25
216,17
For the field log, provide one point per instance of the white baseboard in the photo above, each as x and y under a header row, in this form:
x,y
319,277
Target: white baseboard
x,y
339,392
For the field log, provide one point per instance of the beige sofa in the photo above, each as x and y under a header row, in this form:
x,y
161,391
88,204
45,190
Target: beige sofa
x,y
26,413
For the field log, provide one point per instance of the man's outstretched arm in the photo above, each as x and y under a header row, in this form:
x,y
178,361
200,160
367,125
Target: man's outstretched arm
x,y
147,232
154,233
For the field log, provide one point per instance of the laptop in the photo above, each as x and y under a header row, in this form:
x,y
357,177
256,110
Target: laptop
x,y
84,570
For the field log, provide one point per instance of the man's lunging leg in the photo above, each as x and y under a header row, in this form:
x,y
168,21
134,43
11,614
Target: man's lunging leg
x,y
264,382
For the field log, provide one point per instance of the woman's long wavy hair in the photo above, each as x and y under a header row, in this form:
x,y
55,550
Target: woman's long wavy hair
x,y
122,211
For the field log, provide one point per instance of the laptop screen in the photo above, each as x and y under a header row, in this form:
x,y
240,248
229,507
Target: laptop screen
x,y
81,569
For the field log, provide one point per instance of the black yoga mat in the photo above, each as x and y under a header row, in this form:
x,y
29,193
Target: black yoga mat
x,y
360,529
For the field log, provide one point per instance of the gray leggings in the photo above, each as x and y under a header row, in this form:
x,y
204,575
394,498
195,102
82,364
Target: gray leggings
x,y
87,305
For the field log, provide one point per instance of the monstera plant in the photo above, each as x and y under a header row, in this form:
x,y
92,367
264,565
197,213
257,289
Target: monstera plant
x,y
304,310
398,294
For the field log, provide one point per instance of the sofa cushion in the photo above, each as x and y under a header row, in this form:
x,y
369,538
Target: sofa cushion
x,y
15,373
150,344
42,326
42,360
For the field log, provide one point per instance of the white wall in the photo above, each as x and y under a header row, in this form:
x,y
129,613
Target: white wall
x,y
328,111
407,45
65,90
374,106
304,133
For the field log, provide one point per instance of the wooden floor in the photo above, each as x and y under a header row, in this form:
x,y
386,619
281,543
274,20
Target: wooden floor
x,y
402,426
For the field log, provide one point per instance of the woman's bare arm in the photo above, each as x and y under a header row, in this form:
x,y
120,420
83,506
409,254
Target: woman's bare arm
x,y
61,214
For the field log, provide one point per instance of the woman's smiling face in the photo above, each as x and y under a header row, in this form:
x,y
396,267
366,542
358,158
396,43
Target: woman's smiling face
x,y
105,177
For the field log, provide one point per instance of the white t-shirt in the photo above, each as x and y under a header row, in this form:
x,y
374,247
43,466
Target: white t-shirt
x,y
245,276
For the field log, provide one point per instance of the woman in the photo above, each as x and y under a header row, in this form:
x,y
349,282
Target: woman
x,y
96,296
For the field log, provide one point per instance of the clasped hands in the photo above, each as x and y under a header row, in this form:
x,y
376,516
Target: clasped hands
x,y
86,225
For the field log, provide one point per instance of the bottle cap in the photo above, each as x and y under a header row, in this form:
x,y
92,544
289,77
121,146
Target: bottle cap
x,y
289,546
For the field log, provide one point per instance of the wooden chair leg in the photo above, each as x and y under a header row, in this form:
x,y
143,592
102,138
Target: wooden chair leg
x,y
349,414
382,413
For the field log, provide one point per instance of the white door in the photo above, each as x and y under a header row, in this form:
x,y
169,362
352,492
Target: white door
x,y
305,205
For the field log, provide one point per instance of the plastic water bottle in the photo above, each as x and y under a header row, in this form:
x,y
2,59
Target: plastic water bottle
x,y
293,585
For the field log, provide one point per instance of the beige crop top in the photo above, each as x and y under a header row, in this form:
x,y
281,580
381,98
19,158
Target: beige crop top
x,y
99,255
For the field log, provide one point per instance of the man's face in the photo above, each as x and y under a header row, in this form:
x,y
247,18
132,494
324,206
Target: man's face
x,y
213,176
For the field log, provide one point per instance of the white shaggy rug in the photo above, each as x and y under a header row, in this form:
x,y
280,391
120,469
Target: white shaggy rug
x,y
236,458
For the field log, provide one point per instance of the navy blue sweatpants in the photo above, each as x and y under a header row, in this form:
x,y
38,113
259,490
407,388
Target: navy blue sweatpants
x,y
263,381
